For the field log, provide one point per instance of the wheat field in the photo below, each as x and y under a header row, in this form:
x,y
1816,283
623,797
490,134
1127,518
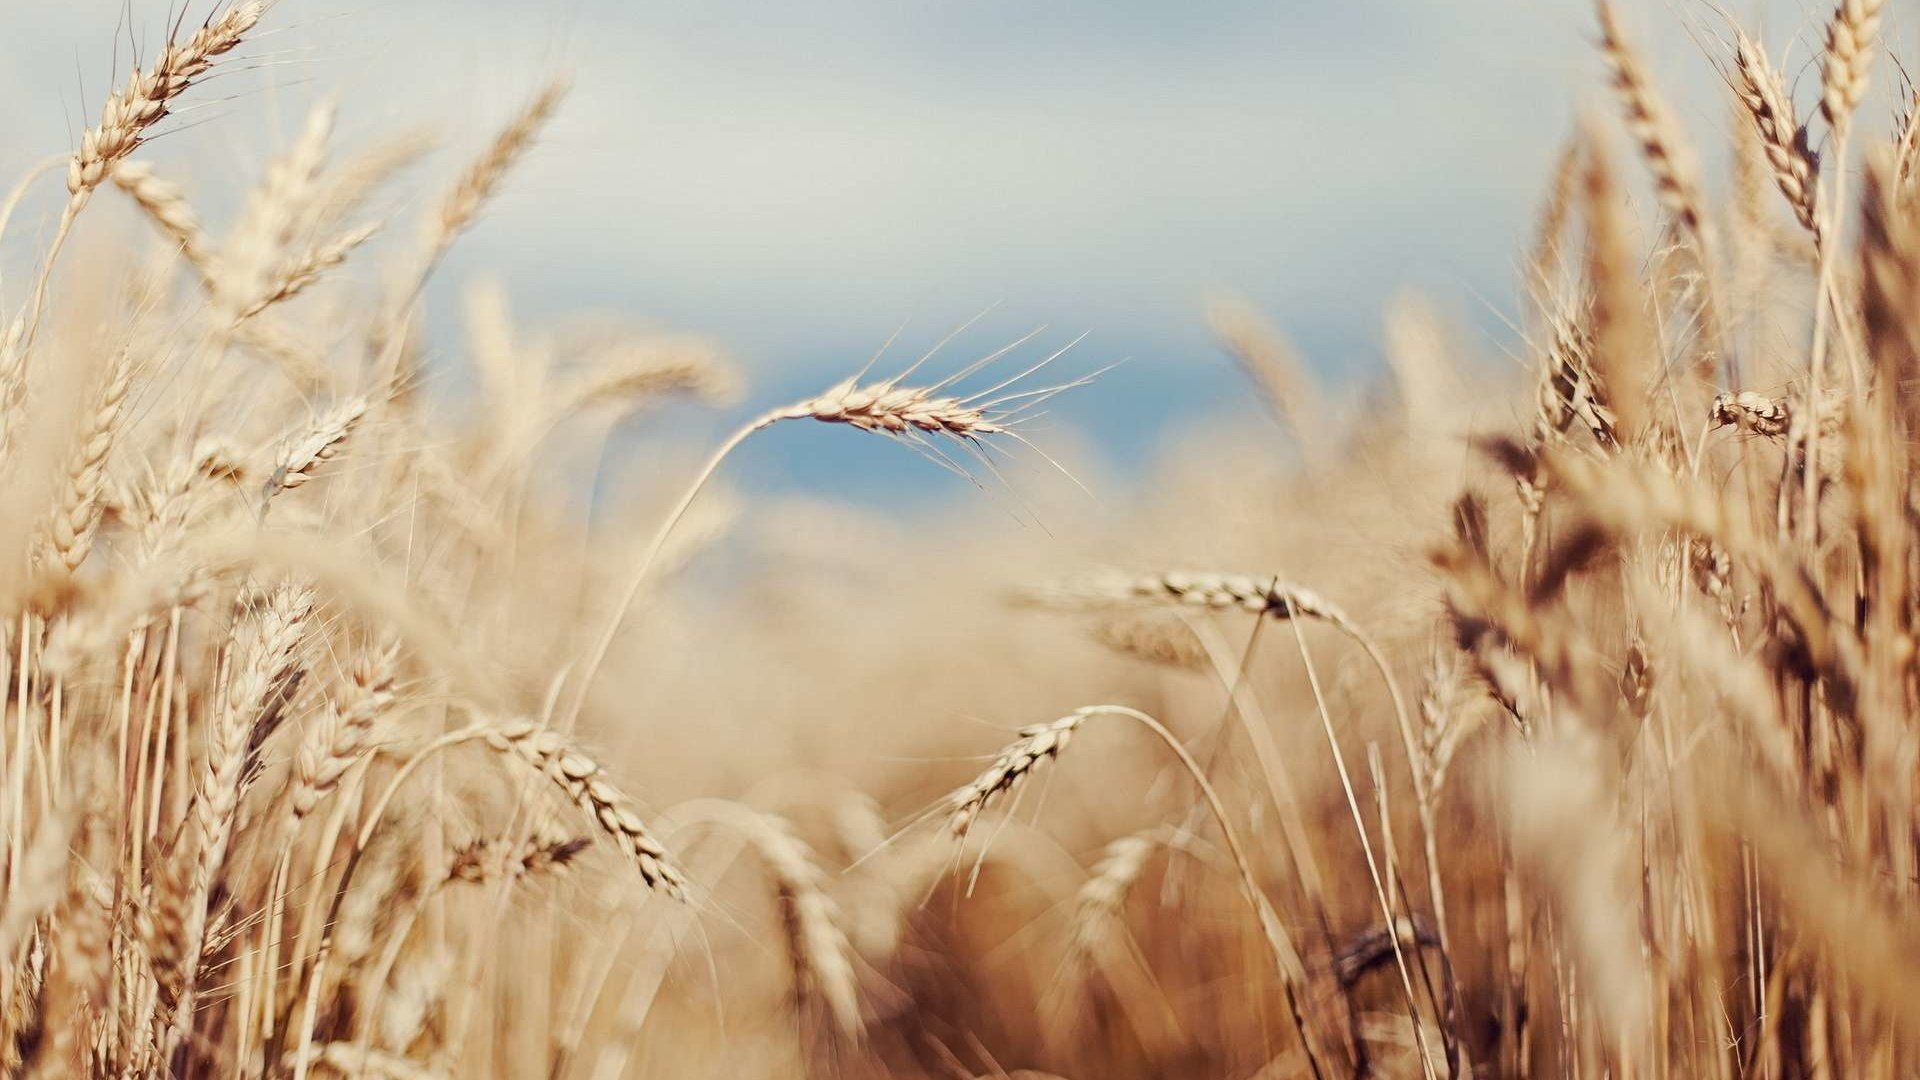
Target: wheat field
x,y
350,729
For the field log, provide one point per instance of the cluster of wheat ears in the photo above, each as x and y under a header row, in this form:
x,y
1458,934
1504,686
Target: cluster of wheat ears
x,y
1593,754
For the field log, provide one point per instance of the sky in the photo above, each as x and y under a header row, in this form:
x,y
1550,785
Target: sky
x,y
800,181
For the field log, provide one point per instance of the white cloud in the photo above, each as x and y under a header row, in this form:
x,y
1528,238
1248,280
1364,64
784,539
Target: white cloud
x,y
800,178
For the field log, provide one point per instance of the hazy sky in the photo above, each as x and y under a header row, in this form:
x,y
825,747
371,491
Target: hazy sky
x,y
801,179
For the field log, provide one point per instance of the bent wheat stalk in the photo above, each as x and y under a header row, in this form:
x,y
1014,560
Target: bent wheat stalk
x,y
1039,743
1274,598
918,415
1852,34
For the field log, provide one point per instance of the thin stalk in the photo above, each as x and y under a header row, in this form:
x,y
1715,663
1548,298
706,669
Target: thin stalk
x,y
618,615
1366,846
1284,954
1822,316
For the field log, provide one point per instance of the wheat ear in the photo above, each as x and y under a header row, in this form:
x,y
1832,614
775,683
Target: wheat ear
x,y
127,116
488,860
166,205
818,951
1852,36
339,741
144,101
456,211
1652,126
1783,139
1273,365
319,445
77,516
264,669
581,778
1101,902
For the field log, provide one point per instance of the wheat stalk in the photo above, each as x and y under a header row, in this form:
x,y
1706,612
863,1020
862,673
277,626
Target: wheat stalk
x,y
922,416
1039,743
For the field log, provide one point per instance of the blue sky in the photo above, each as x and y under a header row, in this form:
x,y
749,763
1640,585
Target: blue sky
x,y
801,180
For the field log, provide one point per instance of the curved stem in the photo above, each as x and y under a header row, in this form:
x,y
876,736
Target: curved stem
x,y
1423,795
317,972
1366,847
378,808
1284,954
618,615
39,301
1424,805
1822,316
20,189
1243,703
